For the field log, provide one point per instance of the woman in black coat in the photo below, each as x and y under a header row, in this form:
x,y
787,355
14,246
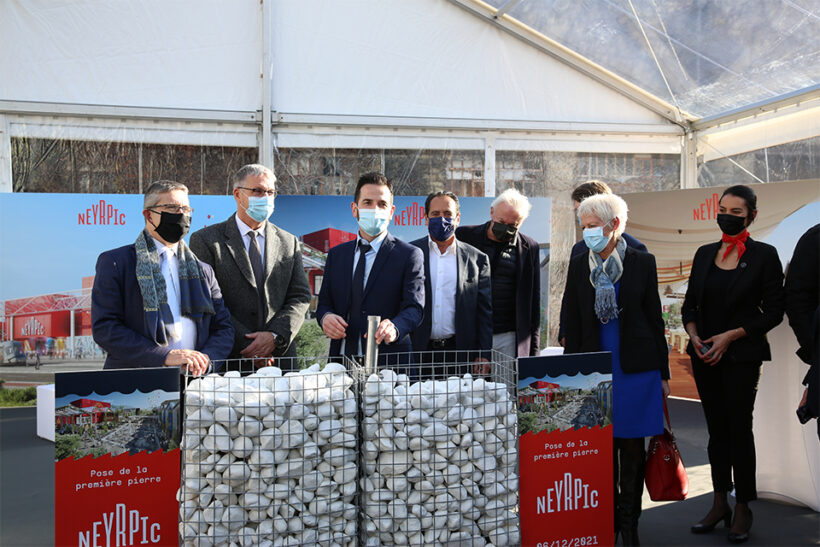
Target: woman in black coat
x,y
612,304
735,296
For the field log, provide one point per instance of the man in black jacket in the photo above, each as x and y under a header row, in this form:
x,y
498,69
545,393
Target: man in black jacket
x,y
516,274
803,310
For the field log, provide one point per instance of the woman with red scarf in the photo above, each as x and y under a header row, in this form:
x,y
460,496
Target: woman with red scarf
x,y
735,296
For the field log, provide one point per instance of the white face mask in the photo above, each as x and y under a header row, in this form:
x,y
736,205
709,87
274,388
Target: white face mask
x,y
595,238
373,221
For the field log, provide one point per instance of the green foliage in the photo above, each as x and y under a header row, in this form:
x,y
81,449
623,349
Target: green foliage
x,y
26,396
311,341
527,421
99,451
65,446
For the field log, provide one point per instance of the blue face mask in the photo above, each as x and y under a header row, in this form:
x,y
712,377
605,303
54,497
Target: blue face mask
x,y
373,221
595,238
260,209
441,228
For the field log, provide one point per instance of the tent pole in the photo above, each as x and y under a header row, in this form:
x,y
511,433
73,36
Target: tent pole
x,y
266,144
489,165
688,161
5,156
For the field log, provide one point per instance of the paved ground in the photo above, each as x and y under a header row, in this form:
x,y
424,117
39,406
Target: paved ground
x,y
27,503
20,375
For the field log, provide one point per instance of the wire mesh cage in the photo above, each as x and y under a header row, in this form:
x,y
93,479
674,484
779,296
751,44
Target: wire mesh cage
x,y
439,452
271,458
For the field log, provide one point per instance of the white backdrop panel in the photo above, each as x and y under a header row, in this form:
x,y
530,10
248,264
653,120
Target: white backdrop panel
x,y
159,53
425,58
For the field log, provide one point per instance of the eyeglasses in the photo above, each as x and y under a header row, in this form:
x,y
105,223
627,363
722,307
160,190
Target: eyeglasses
x,y
259,192
172,208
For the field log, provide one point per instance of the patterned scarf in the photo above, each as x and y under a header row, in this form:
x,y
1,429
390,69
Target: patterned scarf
x,y
738,241
603,274
194,301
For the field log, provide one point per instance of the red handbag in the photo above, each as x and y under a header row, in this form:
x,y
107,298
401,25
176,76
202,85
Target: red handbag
x,y
666,478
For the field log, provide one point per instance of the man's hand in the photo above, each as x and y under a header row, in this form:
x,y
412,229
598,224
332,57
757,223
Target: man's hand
x,y
387,332
481,367
665,387
262,346
334,326
195,362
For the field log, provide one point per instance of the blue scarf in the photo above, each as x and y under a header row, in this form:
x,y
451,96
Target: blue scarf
x,y
194,300
603,274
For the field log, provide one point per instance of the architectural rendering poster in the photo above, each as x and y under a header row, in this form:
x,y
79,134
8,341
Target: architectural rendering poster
x,y
116,457
565,450
45,288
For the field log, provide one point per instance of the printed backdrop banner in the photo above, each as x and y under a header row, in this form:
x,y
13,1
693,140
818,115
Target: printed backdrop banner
x,y
117,456
565,450
49,245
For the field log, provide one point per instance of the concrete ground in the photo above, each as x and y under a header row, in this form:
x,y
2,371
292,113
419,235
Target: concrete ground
x,y
26,375
27,500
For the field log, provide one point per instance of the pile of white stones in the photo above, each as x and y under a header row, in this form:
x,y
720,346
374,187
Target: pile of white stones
x,y
439,462
270,459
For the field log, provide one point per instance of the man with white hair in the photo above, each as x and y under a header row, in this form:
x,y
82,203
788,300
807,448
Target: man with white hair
x,y
516,274
259,268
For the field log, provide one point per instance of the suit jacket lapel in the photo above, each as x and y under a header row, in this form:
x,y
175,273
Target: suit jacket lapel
x,y
700,280
271,248
236,246
428,288
381,258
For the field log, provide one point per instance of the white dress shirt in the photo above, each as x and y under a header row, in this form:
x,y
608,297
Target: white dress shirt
x,y
244,229
444,284
183,329
369,257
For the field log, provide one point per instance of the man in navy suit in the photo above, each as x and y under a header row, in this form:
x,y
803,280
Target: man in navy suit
x,y
376,274
153,303
457,288
581,192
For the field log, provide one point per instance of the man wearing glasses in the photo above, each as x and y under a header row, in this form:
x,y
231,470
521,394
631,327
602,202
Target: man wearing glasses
x,y
259,268
153,303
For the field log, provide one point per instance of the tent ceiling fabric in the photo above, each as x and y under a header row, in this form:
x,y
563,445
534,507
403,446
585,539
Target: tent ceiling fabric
x,y
715,56
674,224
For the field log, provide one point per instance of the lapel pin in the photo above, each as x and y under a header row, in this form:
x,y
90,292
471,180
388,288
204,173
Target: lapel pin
x,y
742,264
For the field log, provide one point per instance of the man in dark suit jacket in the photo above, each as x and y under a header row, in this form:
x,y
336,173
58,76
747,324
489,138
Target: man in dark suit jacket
x,y
375,275
516,274
803,309
579,194
161,317
259,267
458,293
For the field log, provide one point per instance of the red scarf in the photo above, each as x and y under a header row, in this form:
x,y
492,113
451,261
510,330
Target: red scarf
x,y
738,241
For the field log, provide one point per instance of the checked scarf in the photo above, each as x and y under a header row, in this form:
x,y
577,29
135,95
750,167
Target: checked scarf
x,y
194,300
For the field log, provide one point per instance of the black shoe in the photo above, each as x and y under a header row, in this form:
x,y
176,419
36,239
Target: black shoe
x,y
743,536
706,527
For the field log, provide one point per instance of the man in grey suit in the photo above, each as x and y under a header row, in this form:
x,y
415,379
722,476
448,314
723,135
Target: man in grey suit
x,y
259,268
458,289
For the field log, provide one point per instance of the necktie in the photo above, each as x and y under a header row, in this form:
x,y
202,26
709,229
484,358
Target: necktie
x,y
356,293
258,274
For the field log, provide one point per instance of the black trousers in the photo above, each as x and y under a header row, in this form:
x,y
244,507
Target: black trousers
x,y
727,393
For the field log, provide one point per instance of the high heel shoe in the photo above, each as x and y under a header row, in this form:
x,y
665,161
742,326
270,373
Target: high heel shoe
x,y
743,536
704,527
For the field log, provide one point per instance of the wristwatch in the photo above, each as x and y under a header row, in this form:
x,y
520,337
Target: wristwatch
x,y
278,339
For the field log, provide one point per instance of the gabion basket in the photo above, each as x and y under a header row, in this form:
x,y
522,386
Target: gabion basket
x,y
439,453
271,458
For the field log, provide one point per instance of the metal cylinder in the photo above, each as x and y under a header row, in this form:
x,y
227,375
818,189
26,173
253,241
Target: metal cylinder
x,y
371,354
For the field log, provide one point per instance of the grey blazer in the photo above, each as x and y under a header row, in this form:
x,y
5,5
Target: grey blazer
x,y
474,306
287,293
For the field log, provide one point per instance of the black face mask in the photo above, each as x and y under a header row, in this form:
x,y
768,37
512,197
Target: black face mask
x,y
504,232
173,226
730,224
